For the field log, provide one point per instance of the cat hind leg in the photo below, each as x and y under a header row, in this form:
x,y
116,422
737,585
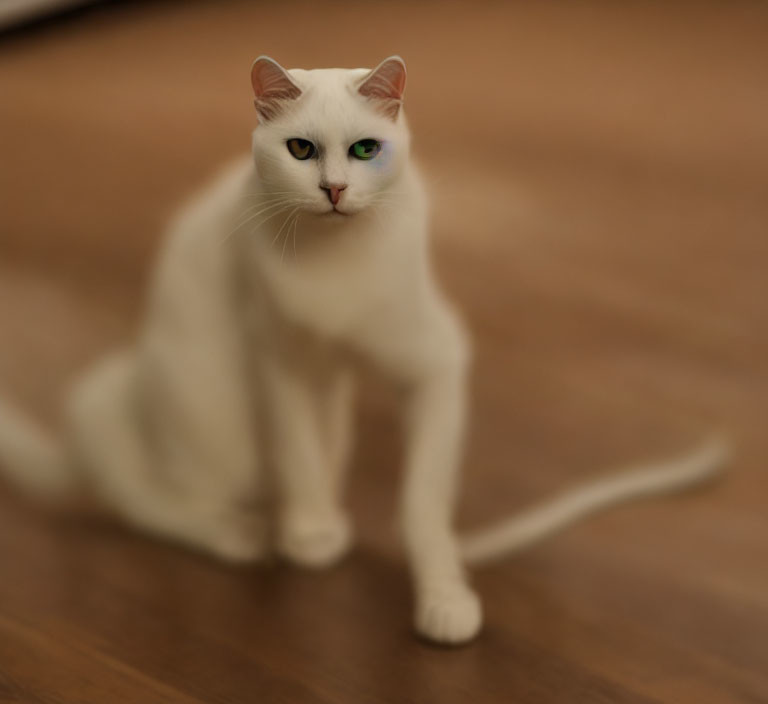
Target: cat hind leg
x,y
108,442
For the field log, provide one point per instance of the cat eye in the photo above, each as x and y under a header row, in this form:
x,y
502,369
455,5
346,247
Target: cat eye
x,y
301,149
365,149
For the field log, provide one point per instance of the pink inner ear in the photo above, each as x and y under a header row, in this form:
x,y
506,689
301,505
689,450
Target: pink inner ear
x,y
271,86
386,82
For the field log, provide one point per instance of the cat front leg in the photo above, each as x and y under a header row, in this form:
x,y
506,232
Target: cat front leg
x,y
312,529
447,610
431,355
336,417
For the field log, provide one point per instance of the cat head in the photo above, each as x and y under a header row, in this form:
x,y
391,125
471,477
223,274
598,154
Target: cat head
x,y
329,141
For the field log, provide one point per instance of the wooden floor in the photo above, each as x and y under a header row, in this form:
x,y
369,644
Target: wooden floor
x,y
600,179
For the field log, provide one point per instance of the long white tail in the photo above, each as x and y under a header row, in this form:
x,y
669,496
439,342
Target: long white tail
x,y
524,529
32,459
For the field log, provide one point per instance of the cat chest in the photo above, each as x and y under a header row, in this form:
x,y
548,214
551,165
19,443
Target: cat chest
x,y
329,299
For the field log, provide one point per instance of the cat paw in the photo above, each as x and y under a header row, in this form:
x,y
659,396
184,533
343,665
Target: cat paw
x,y
315,541
449,614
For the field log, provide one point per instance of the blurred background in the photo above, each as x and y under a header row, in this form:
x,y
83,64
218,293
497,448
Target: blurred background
x,y
599,178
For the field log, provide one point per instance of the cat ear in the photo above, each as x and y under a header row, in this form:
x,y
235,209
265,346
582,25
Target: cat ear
x,y
272,87
385,85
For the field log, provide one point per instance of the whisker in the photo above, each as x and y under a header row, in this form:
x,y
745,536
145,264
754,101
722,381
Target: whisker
x,y
287,218
295,227
252,217
285,241
265,203
269,217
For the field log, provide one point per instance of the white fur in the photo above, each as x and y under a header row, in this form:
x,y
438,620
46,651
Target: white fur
x,y
229,420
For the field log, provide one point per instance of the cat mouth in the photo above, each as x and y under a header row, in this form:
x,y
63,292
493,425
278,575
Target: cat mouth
x,y
335,211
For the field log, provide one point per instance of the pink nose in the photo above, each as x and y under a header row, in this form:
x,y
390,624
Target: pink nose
x,y
333,191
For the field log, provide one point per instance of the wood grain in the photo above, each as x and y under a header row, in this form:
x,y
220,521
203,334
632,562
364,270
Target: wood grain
x,y
599,174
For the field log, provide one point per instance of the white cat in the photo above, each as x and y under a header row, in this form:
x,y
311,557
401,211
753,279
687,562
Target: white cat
x,y
227,426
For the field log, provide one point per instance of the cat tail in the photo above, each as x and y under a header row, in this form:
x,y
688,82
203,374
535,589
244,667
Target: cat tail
x,y
34,460
518,532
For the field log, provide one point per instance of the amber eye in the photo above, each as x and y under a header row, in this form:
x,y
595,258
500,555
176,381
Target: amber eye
x,y
301,149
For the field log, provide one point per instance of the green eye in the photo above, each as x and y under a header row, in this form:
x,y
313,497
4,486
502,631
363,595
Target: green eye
x,y
365,149
301,149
